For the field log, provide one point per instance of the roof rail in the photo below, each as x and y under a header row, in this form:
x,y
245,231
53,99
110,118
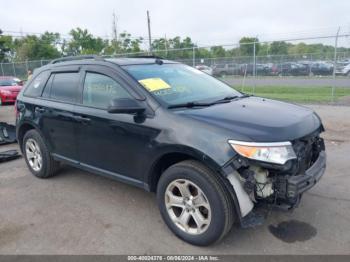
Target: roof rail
x,y
74,58
145,56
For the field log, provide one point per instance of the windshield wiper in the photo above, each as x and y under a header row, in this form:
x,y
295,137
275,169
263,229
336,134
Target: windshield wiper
x,y
189,105
230,98
225,99
197,104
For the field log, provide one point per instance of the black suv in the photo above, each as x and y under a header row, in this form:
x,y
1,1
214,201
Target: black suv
x,y
209,152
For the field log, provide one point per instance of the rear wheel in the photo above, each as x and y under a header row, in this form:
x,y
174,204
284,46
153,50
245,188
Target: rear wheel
x,y
194,203
37,155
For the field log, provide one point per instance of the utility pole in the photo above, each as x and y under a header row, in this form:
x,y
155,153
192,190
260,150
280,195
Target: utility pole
x,y
193,56
254,67
149,32
115,32
335,62
166,45
254,64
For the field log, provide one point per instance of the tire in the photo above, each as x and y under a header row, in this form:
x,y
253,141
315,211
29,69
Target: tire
x,y
48,166
216,208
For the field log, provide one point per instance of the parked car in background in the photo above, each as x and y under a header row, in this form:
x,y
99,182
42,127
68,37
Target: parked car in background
x,y
206,69
292,69
320,68
9,88
343,68
226,69
261,69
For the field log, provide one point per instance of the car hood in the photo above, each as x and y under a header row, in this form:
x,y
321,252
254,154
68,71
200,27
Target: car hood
x,y
259,119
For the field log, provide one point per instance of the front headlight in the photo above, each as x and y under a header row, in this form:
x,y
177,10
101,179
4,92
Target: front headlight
x,y
276,152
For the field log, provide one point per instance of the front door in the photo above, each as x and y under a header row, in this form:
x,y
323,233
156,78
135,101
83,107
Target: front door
x,y
110,142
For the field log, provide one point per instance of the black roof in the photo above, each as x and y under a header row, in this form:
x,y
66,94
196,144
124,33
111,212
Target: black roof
x,y
93,59
137,61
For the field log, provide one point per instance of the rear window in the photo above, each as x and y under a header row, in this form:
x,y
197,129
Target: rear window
x,y
64,87
36,86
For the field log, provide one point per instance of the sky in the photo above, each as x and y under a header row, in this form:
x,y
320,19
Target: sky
x,y
207,22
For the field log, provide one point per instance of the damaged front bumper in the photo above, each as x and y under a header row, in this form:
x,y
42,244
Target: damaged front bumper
x,y
289,188
296,185
259,183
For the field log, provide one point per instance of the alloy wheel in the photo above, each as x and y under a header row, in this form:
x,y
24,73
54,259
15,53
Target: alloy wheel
x,y
187,206
33,154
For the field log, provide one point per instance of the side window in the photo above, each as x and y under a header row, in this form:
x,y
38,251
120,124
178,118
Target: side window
x,y
36,86
64,87
47,88
100,89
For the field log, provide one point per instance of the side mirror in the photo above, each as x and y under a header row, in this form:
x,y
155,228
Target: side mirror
x,y
125,106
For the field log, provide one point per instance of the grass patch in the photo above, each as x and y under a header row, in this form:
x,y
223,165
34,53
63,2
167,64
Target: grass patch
x,y
298,94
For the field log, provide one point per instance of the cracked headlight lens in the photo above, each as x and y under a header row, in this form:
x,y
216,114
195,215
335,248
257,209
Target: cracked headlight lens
x,y
275,152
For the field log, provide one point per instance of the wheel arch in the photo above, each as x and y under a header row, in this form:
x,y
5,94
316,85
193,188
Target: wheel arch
x,y
171,157
23,129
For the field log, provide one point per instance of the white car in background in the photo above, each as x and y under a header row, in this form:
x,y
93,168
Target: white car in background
x,y
206,69
343,69
346,70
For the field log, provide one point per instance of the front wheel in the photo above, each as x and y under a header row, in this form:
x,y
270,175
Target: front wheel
x,y
194,203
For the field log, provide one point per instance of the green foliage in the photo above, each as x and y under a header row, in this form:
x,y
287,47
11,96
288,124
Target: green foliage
x,y
218,51
50,45
83,43
6,46
278,48
173,43
246,45
32,47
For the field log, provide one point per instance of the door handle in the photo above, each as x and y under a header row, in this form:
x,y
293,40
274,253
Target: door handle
x,y
82,119
40,110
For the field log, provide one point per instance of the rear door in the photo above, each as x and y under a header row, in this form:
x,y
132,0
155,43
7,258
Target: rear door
x,y
56,107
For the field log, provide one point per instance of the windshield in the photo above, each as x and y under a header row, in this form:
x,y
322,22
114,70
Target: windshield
x,y
8,82
178,83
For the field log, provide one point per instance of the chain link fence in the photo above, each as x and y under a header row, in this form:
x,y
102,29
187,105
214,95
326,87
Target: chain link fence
x,y
294,75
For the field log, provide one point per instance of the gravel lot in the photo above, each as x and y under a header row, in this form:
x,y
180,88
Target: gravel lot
x,y
77,212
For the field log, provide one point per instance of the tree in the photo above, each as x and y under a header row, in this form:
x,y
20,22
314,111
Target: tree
x,y
83,43
32,47
278,48
6,46
129,44
246,45
218,51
